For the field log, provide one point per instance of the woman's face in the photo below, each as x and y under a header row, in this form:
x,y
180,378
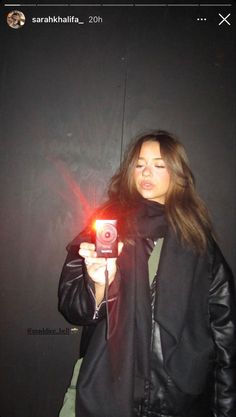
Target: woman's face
x,y
151,176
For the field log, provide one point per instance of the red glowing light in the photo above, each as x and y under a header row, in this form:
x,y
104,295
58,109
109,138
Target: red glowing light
x,y
95,225
72,193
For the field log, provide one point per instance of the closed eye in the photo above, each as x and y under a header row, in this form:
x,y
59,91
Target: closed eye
x,y
156,166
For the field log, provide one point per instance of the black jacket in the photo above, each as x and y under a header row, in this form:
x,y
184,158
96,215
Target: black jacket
x,y
174,348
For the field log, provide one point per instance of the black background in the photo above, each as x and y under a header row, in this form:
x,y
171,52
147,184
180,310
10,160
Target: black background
x,y
72,97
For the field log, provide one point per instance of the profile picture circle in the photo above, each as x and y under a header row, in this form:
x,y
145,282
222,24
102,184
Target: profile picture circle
x,y
15,19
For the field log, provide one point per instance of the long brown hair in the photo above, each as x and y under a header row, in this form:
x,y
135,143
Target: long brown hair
x,y
185,211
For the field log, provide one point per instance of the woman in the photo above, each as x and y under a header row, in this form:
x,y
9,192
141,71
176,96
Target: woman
x,y
170,346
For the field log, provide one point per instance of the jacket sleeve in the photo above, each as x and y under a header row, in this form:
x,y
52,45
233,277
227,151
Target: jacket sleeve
x,y
76,293
223,316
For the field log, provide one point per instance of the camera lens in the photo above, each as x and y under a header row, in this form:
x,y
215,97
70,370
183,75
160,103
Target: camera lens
x,y
107,234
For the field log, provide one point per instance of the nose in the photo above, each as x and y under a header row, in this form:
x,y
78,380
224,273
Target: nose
x,y
146,171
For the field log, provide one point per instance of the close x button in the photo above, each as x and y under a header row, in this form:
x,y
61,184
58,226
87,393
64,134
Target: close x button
x,y
224,19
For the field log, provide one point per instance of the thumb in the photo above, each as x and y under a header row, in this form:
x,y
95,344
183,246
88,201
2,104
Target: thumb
x,y
120,247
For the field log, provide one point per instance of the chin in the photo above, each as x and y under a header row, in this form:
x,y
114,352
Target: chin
x,y
147,195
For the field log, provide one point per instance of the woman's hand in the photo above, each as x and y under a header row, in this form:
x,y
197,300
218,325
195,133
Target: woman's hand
x,y
96,266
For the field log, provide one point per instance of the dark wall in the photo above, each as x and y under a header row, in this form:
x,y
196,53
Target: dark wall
x,y
71,98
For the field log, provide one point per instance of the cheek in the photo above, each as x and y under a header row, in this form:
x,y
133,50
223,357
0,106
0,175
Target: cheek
x,y
167,180
136,176
133,180
163,178
167,183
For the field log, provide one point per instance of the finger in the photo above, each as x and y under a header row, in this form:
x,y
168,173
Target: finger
x,y
86,245
120,247
92,261
87,253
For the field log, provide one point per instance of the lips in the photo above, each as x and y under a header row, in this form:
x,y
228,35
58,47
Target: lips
x,y
146,185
